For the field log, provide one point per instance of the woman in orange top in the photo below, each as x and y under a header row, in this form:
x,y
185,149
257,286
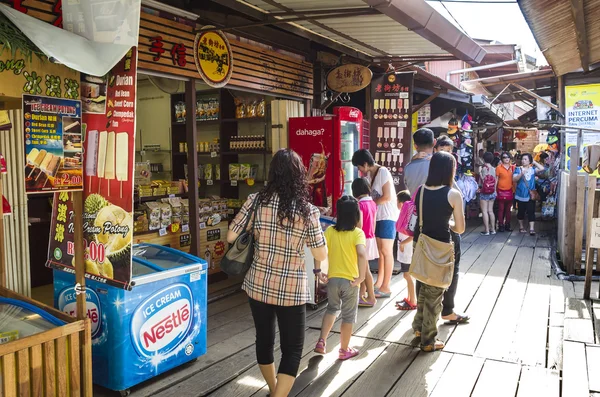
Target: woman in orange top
x,y
504,174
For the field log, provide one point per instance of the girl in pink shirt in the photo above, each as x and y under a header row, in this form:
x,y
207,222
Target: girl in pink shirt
x,y
361,190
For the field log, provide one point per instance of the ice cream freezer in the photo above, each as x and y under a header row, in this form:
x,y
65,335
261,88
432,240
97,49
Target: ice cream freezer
x,y
156,326
19,319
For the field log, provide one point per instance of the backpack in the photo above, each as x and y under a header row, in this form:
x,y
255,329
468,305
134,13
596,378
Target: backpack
x,y
489,183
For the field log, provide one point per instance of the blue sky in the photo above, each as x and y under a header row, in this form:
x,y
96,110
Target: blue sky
x,y
501,22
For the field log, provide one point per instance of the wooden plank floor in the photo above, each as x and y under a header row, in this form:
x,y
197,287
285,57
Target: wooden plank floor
x,y
530,334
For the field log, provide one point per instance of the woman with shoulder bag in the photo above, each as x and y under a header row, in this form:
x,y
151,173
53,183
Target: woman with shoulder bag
x,y
526,193
433,259
283,223
487,194
504,191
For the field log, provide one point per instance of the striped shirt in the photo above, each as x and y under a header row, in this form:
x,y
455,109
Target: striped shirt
x,y
278,273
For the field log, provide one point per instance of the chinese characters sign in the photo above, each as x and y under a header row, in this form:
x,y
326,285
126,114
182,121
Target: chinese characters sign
x,y
391,122
213,58
108,157
349,78
177,53
52,131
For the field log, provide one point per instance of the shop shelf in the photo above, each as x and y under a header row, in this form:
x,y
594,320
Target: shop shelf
x,y
205,122
157,198
246,120
238,152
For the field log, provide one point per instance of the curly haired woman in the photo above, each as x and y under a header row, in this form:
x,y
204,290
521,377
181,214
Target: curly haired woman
x,y
284,223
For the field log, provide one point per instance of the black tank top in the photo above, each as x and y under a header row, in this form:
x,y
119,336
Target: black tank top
x,y
436,213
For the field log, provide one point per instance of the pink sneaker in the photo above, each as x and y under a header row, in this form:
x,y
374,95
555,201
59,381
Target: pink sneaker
x,y
346,354
320,347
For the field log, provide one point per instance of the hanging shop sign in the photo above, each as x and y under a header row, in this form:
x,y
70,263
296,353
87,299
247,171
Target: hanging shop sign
x,y
213,58
167,46
109,145
30,75
52,133
582,110
349,78
391,122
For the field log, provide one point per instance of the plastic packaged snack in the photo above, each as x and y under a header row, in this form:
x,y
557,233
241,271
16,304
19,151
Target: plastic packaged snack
x,y
234,172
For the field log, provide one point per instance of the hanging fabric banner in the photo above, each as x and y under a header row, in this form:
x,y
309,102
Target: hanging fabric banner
x,y
109,145
391,122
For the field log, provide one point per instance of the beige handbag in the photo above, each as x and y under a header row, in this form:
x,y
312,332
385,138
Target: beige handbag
x,y
433,260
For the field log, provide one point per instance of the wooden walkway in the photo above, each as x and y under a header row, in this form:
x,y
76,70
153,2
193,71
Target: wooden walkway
x,y
529,335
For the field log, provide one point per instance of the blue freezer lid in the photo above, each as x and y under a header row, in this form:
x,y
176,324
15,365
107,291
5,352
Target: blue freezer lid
x,y
160,258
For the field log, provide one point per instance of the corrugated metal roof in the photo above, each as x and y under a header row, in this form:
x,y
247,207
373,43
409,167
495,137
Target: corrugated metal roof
x,y
374,35
552,24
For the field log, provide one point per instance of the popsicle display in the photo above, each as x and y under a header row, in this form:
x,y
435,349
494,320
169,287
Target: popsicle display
x,y
102,138
109,166
122,159
91,158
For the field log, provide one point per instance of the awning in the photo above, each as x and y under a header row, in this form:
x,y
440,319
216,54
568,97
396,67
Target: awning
x,y
541,82
64,47
396,30
567,32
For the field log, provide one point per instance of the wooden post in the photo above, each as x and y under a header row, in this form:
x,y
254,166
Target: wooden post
x,y
579,220
79,253
192,143
571,207
589,252
2,263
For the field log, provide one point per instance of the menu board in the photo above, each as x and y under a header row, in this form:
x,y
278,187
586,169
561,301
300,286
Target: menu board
x,y
391,122
53,152
109,145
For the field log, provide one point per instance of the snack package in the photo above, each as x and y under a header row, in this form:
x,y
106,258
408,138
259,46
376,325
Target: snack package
x,y
208,171
176,206
153,211
140,222
165,211
154,224
217,172
185,206
165,223
244,171
253,171
234,172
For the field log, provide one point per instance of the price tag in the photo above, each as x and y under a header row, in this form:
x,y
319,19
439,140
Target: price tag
x,y
213,154
234,183
162,232
209,182
396,152
202,225
171,196
185,228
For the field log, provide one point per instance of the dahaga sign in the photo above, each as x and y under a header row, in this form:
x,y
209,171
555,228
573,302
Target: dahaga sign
x,y
109,147
53,152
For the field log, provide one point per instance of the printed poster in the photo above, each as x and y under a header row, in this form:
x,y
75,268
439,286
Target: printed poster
x,y
582,110
53,150
391,123
108,154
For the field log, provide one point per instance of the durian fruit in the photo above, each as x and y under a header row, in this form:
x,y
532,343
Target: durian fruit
x,y
92,267
94,203
113,214
118,246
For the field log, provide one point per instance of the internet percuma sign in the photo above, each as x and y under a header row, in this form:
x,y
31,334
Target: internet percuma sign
x,y
213,58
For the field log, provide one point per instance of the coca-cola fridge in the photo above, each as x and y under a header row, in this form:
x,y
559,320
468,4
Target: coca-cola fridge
x,y
326,145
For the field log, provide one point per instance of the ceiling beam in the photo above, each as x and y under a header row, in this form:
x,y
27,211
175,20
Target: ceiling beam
x,y
261,16
341,14
327,28
319,12
582,43
536,96
427,100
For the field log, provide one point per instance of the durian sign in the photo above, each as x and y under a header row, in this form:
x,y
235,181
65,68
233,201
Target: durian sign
x,y
108,164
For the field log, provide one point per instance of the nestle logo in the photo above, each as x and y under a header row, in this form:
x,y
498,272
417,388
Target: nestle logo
x,y
163,321
305,132
166,326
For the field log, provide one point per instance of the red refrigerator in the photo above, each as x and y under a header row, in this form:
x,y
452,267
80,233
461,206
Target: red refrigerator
x,y
326,145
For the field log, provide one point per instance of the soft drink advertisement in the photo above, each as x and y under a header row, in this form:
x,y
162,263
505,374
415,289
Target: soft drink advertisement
x,y
52,129
109,145
391,122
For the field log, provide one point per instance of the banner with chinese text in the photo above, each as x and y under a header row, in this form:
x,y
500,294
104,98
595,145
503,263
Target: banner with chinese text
x,y
391,122
53,152
109,148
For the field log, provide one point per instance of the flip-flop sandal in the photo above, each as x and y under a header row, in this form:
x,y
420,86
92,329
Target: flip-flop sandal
x,y
522,231
364,303
459,320
405,305
379,294
437,345
320,347
346,354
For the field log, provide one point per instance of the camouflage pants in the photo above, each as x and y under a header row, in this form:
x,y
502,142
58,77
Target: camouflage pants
x,y
429,308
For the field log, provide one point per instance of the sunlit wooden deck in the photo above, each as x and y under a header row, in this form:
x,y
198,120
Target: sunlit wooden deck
x,y
529,335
